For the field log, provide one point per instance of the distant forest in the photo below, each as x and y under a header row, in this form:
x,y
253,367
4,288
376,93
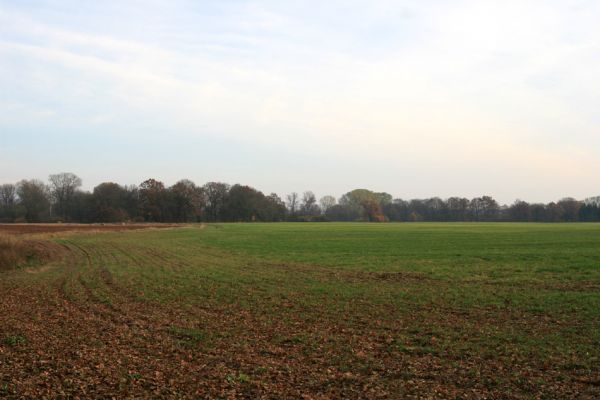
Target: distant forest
x,y
62,200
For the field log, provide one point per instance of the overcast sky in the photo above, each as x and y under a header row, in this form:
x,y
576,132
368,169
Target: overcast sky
x,y
416,98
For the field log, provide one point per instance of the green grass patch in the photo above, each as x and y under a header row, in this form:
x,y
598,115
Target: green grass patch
x,y
456,291
15,340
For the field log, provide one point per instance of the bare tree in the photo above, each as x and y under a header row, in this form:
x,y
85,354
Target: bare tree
x,y
8,200
520,211
292,202
458,208
309,205
8,195
326,203
62,189
592,201
35,198
215,198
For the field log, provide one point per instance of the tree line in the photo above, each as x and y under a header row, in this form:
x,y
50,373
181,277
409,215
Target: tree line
x,y
62,200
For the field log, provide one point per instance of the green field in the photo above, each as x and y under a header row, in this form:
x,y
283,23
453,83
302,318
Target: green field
x,y
324,310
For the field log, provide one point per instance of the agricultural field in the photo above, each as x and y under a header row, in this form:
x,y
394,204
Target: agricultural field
x,y
301,310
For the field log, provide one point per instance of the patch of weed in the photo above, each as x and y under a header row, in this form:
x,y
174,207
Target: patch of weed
x,y
15,340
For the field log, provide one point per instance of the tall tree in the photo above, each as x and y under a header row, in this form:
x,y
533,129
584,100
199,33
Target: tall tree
x,y
397,210
372,211
491,208
538,212
109,203
436,209
342,212
215,196
186,201
34,196
275,209
8,195
8,201
553,212
153,200
476,208
62,189
292,203
383,198
592,201
244,204
364,202
520,211
590,209
484,208
131,202
80,207
309,207
458,208
570,208
326,202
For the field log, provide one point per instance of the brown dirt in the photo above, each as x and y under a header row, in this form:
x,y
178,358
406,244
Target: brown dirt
x,y
60,339
29,229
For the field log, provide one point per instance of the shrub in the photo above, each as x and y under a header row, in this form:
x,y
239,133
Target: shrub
x,y
13,252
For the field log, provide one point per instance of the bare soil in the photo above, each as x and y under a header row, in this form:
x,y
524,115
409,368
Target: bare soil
x,y
75,329
28,229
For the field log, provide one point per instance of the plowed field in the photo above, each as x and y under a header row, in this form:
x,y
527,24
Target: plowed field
x,y
321,311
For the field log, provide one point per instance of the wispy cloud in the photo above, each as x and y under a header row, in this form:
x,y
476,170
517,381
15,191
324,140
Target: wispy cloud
x,y
496,94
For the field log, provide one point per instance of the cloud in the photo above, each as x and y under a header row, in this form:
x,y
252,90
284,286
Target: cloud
x,y
508,87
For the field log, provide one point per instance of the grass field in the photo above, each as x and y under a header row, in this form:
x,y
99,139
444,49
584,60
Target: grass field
x,y
309,311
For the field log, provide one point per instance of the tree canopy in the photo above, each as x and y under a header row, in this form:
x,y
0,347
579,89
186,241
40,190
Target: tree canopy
x,y
152,201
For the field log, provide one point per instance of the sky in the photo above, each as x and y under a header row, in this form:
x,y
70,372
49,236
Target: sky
x,y
415,98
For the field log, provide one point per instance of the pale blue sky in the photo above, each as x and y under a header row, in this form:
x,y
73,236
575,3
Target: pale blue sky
x,y
416,98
